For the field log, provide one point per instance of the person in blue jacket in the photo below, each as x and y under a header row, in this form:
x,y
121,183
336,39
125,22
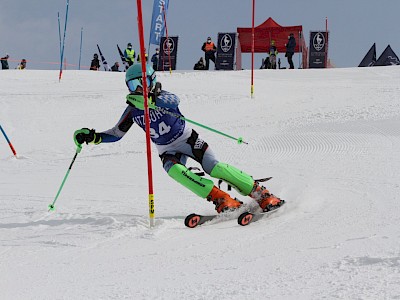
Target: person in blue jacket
x,y
176,142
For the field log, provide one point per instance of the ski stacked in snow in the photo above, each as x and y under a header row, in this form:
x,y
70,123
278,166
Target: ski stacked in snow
x,y
245,218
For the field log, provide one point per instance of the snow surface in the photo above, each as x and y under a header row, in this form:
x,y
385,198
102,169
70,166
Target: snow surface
x,y
330,139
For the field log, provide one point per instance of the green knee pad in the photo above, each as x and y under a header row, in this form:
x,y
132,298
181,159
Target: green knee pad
x,y
198,185
241,181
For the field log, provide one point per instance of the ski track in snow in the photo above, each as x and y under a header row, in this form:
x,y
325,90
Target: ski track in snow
x,y
332,159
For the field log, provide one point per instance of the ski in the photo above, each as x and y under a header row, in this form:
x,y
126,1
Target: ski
x,y
249,217
194,220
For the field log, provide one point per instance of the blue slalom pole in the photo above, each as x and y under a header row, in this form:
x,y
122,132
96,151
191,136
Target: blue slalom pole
x,y
80,49
63,43
8,141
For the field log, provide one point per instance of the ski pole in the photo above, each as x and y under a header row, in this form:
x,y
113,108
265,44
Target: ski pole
x,y
239,139
8,141
131,99
51,206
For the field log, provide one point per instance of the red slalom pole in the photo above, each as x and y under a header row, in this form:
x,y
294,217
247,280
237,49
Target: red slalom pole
x,y
8,141
146,113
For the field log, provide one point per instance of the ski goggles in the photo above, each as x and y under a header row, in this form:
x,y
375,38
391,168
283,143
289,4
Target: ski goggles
x,y
137,82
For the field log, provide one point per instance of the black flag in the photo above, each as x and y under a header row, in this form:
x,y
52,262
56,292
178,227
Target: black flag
x,y
105,64
123,58
387,58
370,58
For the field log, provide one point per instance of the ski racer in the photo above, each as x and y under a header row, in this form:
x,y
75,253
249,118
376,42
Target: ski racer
x,y
176,142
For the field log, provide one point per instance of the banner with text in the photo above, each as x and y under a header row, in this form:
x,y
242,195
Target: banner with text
x,y
157,21
226,51
168,53
318,44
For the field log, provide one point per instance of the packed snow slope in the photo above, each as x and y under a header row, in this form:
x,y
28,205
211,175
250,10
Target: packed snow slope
x,y
329,138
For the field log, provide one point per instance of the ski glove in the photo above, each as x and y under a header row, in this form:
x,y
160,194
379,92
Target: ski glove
x,y
86,135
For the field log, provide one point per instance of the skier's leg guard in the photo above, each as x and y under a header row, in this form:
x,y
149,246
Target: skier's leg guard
x,y
198,185
203,187
241,181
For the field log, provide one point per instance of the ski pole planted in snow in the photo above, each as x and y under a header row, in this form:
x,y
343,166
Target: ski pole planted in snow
x,y
8,141
51,206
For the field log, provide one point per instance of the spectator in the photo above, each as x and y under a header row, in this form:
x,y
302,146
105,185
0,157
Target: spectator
x,y
265,64
129,54
4,62
291,44
145,54
273,52
199,65
209,52
95,65
115,67
22,65
155,58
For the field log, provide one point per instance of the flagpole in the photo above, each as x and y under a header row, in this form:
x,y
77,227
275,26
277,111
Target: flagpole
x,y
146,114
80,49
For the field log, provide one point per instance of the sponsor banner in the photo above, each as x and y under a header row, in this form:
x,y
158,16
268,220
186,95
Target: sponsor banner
x,y
157,21
225,59
168,46
318,44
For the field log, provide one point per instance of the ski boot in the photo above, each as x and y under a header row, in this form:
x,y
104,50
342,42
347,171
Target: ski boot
x,y
222,200
264,198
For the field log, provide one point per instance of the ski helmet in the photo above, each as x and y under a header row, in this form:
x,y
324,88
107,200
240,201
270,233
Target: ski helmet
x,y
133,77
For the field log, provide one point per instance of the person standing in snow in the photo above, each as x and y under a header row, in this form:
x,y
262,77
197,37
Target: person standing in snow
x,y
154,59
209,49
145,55
273,53
4,62
95,64
129,54
176,142
291,44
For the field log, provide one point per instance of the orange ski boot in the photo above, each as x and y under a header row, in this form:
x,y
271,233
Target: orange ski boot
x,y
222,200
264,198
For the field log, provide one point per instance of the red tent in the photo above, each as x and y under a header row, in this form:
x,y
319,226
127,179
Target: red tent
x,y
267,31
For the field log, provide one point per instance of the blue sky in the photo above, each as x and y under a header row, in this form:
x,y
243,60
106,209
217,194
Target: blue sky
x,y
29,29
